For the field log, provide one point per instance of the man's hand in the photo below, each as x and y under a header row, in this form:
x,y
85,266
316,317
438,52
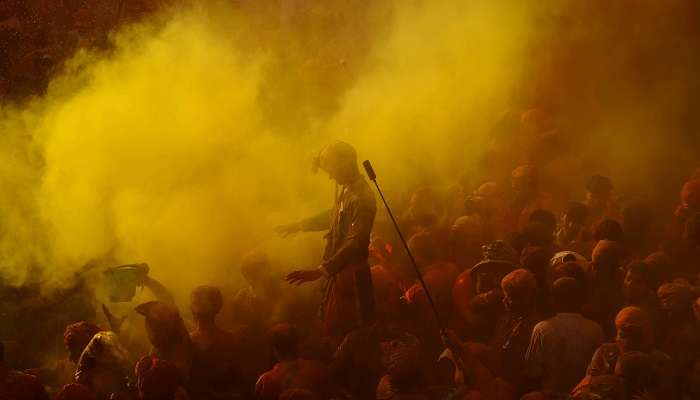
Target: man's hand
x,y
303,276
288,229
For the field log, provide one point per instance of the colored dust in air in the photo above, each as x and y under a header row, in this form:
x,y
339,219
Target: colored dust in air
x,y
185,144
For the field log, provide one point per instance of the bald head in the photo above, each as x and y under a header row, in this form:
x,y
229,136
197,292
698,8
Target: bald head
x,y
519,289
634,329
608,255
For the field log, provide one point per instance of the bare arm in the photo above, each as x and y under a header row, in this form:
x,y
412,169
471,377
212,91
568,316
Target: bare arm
x,y
318,222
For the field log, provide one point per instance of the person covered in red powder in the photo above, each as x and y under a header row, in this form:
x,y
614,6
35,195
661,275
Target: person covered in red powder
x,y
74,391
215,350
16,385
347,301
158,379
635,332
168,335
527,197
76,337
291,371
600,201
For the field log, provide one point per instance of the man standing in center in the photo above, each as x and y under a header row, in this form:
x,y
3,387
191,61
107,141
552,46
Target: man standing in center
x,y
347,301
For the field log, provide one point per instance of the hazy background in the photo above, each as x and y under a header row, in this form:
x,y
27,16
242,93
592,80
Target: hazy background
x,y
188,142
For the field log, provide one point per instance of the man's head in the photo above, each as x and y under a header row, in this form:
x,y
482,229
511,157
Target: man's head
x,y
524,181
498,260
662,266
598,191
608,229
544,217
466,236
640,282
519,289
77,336
206,302
691,231
424,248
538,234
567,295
164,325
424,207
607,257
536,260
570,269
339,161
675,300
690,197
284,341
634,330
573,221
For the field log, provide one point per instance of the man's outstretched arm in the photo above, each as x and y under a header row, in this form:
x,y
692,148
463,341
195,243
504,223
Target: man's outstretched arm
x,y
319,222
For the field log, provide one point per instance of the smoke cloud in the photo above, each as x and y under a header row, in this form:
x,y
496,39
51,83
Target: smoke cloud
x,y
188,142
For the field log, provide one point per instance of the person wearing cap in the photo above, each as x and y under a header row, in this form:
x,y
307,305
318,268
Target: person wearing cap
x,y
347,301
483,279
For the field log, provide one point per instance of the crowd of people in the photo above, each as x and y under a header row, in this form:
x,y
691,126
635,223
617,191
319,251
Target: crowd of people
x,y
593,303
37,36
532,294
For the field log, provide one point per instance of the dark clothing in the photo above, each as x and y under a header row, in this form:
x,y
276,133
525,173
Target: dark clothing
x,y
348,300
214,370
605,359
311,375
360,360
18,386
511,340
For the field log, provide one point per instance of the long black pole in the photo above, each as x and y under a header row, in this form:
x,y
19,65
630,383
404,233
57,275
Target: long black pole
x,y
373,177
